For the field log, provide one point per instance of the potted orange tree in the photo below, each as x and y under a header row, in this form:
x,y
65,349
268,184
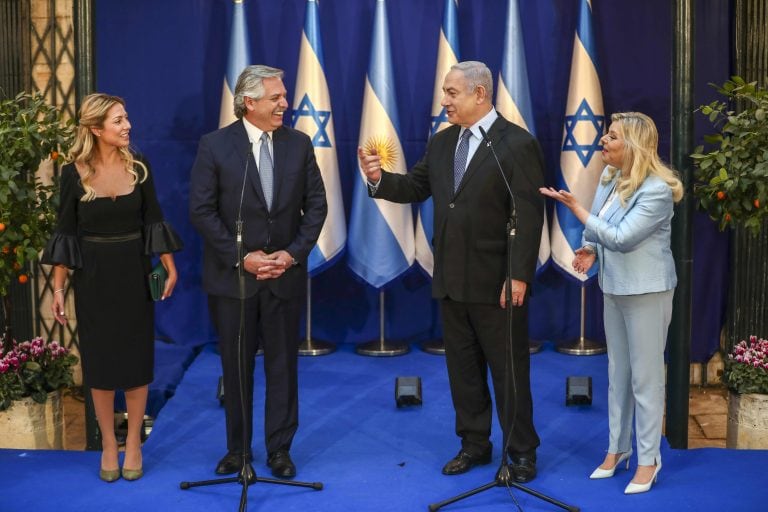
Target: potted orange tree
x,y
732,177
31,372
732,186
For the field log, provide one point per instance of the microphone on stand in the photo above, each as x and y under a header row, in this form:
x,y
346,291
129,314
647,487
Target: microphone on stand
x,y
513,213
239,221
510,376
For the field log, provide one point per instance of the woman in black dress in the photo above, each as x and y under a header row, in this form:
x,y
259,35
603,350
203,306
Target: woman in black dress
x,y
109,225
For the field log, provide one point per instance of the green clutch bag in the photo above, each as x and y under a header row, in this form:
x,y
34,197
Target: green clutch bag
x,y
157,278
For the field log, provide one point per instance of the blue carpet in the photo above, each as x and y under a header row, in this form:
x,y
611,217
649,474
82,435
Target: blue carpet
x,y
372,456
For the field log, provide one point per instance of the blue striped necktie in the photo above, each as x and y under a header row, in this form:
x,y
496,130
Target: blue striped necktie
x,y
266,169
460,160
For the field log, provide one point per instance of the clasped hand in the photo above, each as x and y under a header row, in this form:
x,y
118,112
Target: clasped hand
x,y
267,266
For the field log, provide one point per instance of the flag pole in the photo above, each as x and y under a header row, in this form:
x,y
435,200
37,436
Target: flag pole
x,y
434,346
311,347
582,346
381,347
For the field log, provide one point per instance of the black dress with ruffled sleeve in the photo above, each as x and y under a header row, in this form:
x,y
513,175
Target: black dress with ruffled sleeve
x,y
108,243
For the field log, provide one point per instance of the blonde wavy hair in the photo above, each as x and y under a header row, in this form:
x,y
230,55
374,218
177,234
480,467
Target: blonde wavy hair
x,y
93,113
641,157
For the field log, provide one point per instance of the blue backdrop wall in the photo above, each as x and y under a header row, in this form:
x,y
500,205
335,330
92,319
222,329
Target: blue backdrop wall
x,y
168,60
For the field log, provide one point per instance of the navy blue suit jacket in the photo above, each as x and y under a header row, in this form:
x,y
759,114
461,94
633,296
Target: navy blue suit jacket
x,y
293,224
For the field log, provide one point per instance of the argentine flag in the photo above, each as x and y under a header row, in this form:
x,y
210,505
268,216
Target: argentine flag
x,y
513,98
447,56
312,114
580,161
239,58
380,232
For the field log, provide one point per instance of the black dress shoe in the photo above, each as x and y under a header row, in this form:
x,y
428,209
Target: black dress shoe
x,y
464,461
281,464
230,463
523,468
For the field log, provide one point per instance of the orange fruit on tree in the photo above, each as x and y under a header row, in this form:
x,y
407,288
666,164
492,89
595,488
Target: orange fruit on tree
x,y
2,227
756,203
23,278
720,195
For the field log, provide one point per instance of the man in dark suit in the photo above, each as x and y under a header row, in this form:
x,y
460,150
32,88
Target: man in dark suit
x,y
472,207
269,171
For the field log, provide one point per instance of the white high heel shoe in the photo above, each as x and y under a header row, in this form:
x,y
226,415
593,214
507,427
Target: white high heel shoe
x,y
634,488
608,473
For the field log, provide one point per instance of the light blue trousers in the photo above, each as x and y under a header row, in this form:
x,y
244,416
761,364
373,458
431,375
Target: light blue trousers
x,y
636,333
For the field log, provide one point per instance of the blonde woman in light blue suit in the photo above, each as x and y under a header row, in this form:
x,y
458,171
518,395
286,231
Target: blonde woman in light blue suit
x,y
628,231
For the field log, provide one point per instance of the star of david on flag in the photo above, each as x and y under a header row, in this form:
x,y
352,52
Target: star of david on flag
x,y
580,159
594,130
312,114
305,107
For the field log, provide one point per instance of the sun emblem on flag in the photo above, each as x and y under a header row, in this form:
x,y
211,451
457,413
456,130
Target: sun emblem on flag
x,y
384,147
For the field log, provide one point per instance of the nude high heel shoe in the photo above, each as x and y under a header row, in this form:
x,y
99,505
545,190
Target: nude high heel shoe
x,y
608,473
634,488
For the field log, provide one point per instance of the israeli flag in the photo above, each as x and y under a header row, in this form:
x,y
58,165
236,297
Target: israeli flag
x,y
447,56
513,99
312,114
239,58
580,160
380,232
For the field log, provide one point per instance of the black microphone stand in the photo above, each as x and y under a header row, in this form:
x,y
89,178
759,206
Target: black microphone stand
x,y
503,477
246,475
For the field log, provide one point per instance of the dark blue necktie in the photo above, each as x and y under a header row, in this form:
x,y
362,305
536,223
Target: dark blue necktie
x,y
460,160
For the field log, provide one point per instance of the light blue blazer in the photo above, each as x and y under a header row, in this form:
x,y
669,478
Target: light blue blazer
x,y
633,242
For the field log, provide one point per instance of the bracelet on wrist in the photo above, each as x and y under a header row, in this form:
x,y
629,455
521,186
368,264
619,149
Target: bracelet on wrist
x,y
59,290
